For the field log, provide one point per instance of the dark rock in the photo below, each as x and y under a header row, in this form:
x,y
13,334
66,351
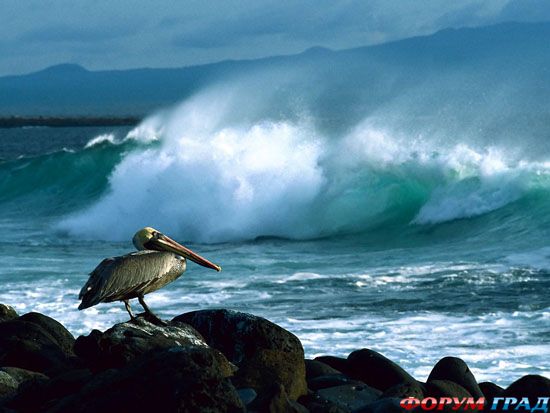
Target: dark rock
x,y
333,380
490,390
387,405
179,379
264,352
376,370
404,390
531,386
124,342
456,370
271,366
55,329
337,363
350,397
7,313
34,347
316,368
11,379
445,388
275,400
23,375
316,404
247,395
38,395
8,385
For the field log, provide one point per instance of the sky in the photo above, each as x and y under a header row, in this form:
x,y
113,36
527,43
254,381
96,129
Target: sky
x,y
122,34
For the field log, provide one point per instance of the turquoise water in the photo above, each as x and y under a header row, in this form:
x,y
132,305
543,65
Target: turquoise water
x,y
365,237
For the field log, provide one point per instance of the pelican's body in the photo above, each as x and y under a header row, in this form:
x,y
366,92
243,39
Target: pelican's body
x,y
160,261
129,276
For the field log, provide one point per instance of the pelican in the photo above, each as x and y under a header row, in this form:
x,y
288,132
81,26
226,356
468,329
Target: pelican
x,y
158,261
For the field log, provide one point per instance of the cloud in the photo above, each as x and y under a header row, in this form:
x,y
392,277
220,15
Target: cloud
x,y
66,33
105,34
525,11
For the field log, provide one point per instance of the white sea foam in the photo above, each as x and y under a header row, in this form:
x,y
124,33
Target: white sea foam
x,y
301,276
218,176
100,139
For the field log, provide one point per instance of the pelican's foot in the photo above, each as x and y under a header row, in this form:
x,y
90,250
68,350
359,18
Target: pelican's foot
x,y
152,318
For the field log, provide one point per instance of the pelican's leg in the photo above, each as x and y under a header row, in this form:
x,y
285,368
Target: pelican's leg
x,y
149,312
129,309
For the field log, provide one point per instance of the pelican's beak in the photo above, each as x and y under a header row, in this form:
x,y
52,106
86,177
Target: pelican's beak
x,y
168,244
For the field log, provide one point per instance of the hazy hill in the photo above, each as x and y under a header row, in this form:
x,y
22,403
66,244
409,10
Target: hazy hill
x,y
467,64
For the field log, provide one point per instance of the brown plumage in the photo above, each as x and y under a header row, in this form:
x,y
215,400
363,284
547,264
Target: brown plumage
x,y
160,261
130,276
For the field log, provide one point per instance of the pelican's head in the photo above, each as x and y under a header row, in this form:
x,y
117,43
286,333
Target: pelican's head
x,y
150,239
142,237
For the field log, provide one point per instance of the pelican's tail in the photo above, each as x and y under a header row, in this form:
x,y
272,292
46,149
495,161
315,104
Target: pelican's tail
x,y
90,293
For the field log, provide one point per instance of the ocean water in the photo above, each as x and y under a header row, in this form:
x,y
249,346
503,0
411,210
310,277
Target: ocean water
x,y
349,237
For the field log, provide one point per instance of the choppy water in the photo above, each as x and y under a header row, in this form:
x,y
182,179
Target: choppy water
x,y
360,241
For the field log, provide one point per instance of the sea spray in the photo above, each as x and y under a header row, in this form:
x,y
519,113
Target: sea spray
x,y
215,176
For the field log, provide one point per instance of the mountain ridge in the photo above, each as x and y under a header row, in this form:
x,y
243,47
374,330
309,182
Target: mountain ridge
x,y
71,89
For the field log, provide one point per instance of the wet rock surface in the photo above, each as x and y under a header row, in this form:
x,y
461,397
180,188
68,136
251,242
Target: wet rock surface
x,y
7,313
376,370
179,379
445,388
337,363
12,378
457,371
124,342
211,361
264,352
316,368
490,390
531,386
37,343
332,380
350,397
8,384
404,390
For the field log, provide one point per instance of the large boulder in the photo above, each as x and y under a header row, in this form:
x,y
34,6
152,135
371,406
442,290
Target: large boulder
x,y
36,342
179,379
264,352
59,333
456,370
124,342
532,386
376,370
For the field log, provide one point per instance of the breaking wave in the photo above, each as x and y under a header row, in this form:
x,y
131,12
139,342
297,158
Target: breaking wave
x,y
209,177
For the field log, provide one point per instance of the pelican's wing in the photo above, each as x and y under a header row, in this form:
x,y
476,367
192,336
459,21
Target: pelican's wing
x,y
124,277
90,293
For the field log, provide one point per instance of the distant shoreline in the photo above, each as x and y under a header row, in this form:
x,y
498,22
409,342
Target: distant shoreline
x,y
64,122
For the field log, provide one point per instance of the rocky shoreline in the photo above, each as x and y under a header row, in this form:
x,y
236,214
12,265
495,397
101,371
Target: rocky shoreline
x,y
214,361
